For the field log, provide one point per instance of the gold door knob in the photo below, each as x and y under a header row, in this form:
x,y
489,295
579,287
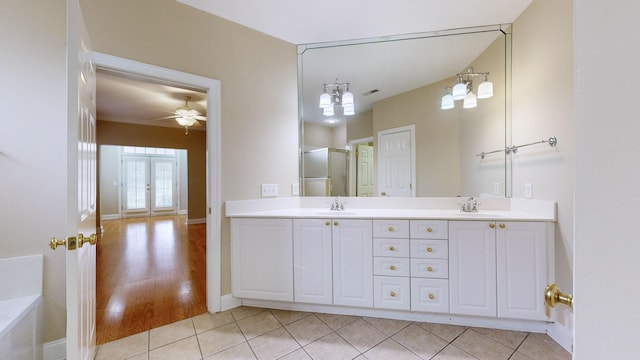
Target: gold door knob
x,y
492,226
392,267
393,294
553,297
502,226
392,248
431,296
429,249
391,229
91,239
54,243
429,269
383,193
429,229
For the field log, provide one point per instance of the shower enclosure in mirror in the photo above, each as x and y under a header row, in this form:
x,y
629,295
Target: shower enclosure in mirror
x,y
399,141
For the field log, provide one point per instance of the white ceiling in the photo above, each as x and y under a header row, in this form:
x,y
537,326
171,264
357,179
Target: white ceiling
x,y
129,99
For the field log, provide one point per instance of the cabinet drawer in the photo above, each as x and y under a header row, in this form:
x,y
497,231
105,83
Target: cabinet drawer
x,y
429,229
432,249
430,268
391,228
391,292
391,247
430,295
391,266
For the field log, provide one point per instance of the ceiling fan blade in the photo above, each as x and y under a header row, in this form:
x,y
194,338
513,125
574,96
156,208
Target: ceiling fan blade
x,y
200,117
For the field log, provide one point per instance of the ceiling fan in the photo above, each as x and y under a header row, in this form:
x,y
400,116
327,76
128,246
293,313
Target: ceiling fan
x,y
187,116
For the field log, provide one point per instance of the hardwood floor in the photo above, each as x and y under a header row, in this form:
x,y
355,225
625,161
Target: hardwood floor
x,y
150,272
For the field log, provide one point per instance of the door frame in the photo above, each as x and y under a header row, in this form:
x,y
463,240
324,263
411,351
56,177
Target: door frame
x,y
353,146
213,219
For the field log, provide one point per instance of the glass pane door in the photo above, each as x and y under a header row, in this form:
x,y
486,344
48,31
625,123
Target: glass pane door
x,y
136,185
164,189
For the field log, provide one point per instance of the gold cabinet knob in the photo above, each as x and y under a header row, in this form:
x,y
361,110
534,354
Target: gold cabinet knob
x,y
392,248
429,269
392,267
429,229
327,223
335,223
431,296
383,193
492,226
393,294
429,249
502,226
391,229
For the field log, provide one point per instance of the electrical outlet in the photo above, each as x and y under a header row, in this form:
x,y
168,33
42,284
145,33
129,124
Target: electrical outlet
x,y
269,190
496,188
528,190
295,189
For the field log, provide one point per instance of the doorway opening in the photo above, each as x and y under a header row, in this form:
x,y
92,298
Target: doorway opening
x,y
207,226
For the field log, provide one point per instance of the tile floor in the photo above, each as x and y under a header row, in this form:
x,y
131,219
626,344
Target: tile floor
x,y
256,333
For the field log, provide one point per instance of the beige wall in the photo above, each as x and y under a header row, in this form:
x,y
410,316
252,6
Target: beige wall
x,y
259,125
114,133
543,107
360,126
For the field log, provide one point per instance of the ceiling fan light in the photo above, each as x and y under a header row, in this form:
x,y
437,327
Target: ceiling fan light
x,y
470,101
186,121
485,90
459,91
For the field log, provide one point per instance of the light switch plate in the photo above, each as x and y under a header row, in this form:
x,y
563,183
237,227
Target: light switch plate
x,y
528,190
496,188
269,190
295,189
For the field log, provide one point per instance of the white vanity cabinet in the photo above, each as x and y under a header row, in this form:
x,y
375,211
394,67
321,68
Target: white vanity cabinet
x,y
312,261
499,268
429,266
261,258
391,265
352,262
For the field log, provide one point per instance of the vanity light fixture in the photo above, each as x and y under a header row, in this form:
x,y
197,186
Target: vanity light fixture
x,y
463,90
333,94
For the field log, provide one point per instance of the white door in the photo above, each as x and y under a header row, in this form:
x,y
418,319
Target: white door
x,y
81,193
396,161
364,173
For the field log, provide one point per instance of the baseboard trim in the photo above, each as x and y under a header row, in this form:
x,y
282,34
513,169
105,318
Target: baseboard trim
x,y
110,217
228,302
197,221
55,350
562,335
183,212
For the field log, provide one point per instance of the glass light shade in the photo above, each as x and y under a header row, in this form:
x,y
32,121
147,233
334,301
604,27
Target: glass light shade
x,y
485,90
349,109
325,100
328,111
447,102
347,98
186,121
459,91
470,101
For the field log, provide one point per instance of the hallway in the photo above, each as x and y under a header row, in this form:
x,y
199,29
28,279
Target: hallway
x,y
150,273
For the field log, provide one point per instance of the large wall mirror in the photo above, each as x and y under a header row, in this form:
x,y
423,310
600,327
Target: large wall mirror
x,y
398,141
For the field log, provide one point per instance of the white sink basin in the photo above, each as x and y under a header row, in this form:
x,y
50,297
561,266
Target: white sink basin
x,y
336,213
479,214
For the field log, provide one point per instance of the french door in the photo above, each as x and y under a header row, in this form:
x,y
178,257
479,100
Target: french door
x,y
149,185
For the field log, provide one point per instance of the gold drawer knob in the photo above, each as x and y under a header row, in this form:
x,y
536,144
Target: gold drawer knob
x,y
393,294
492,226
392,267
502,226
391,229
429,229
431,296
429,249
392,248
429,269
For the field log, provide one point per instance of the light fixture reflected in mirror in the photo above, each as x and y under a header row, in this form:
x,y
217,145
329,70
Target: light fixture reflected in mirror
x,y
463,90
337,96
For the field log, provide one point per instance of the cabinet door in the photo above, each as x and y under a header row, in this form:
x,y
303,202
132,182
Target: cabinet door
x,y
391,292
431,295
261,259
312,261
352,263
472,267
521,269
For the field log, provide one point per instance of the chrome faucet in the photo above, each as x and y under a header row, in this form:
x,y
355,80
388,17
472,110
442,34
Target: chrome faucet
x,y
471,205
336,205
